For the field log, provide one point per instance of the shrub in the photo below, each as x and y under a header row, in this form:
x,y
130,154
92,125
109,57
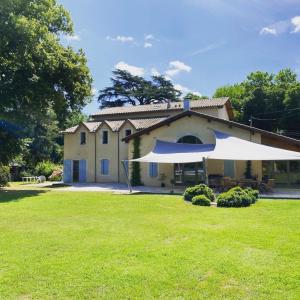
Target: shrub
x,y
201,200
4,176
45,168
200,189
237,197
55,178
253,194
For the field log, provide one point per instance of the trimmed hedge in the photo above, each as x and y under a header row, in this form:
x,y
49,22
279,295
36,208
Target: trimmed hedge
x,y
201,200
200,189
237,197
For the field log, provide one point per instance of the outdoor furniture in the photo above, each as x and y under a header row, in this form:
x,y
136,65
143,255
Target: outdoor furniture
x,y
29,179
228,183
244,183
215,182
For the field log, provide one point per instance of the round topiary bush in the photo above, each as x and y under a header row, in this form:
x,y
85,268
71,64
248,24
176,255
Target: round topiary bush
x,y
200,189
235,197
201,200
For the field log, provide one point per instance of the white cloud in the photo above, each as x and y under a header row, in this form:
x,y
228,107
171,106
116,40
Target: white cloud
x,y
149,37
136,71
175,67
296,23
268,30
121,38
291,26
74,37
184,90
154,72
94,91
148,45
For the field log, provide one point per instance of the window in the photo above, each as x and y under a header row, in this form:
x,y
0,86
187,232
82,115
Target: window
x,y
104,137
82,138
127,132
153,169
104,167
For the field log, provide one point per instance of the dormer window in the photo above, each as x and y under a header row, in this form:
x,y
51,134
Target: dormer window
x,y
105,137
127,132
82,138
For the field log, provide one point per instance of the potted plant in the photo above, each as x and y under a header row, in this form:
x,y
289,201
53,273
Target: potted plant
x,y
162,178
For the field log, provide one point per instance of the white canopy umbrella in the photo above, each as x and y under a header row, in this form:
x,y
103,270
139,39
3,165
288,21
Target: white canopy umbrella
x,y
170,152
227,147
233,148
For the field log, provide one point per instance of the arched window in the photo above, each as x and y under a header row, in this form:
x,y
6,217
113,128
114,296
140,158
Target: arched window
x,y
189,139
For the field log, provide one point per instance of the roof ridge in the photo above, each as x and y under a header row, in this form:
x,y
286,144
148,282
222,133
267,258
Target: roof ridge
x,y
211,102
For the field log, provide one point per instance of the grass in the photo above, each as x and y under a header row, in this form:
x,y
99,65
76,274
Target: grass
x,y
59,245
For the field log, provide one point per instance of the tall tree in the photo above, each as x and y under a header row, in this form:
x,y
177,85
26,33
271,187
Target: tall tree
x,y
38,73
192,96
236,93
136,90
270,101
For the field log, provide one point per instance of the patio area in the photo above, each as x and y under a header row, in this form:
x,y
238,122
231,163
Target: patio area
x,y
119,188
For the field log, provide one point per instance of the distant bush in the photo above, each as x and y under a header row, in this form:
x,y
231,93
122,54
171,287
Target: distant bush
x,y
4,176
200,189
55,178
25,174
201,200
237,197
45,168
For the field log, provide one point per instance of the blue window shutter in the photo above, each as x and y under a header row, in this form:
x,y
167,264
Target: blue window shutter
x,y
67,170
104,166
107,167
153,169
82,170
126,162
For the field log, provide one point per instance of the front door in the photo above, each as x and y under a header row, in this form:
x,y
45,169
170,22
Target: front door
x,y
75,170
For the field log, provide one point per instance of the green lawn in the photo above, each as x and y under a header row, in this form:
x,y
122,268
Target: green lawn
x,y
58,245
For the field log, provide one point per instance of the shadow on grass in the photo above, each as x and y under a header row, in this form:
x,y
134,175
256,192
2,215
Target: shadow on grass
x,y
17,195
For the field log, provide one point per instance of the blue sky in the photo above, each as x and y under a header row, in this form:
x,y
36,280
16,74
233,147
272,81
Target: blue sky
x,y
199,44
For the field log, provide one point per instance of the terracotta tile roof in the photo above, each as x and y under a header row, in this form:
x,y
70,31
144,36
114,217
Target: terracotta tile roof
x,y
91,126
71,129
115,125
140,124
216,102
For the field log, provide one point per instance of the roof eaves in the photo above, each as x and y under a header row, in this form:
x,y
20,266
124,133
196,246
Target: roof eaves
x,y
209,117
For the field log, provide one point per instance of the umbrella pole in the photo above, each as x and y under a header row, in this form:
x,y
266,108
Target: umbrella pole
x,y
126,176
205,171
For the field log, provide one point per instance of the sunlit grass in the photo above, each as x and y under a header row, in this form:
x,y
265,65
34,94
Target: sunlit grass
x,y
58,245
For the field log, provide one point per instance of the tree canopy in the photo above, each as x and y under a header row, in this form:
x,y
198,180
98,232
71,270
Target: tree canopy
x,y
136,90
268,101
39,76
